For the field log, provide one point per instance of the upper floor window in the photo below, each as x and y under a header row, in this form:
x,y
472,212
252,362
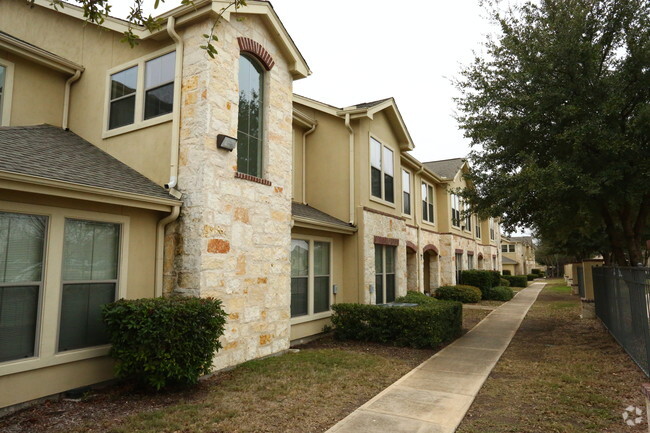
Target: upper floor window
x,y
6,85
492,234
406,191
504,248
142,92
468,217
2,89
427,202
249,126
381,171
455,210
511,248
478,226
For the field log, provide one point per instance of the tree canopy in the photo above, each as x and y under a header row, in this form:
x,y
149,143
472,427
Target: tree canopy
x,y
558,113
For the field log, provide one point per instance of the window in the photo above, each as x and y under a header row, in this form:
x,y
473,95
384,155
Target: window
x,y
310,277
511,248
470,262
142,92
22,241
494,263
3,73
455,210
406,191
504,248
478,226
250,126
492,234
381,171
427,202
6,86
459,267
468,217
89,280
384,274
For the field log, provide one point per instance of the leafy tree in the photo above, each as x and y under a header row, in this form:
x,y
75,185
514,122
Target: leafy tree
x,y
558,111
96,11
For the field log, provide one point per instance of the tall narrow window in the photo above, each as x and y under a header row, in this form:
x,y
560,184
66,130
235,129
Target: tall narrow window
x,y
321,277
250,127
492,234
468,217
91,253
478,226
470,262
459,267
3,72
22,239
299,277
159,85
381,171
384,274
123,89
406,192
427,203
455,210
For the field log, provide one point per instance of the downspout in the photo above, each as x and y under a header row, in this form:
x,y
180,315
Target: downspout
x,y
176,116
160,248
420,267
66,98
351,168
304,183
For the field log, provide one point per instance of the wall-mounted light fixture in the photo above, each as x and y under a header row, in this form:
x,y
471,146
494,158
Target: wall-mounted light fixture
x,y
226,142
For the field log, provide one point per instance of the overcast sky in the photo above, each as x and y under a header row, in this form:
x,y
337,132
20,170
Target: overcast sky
x,y
364,50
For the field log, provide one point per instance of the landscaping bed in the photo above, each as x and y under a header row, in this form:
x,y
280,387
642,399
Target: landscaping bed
x,y
307,391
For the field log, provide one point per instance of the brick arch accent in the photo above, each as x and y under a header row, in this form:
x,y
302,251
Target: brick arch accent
x,y
411,246
247,45
480,256
430,247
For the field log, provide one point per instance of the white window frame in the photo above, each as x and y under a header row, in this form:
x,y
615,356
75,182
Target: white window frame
x,y
7,93
492,231
470,262
310,316
384,273
455,207
46,353
382,147
409,192
504,248
425,186
477,227
511,248
138,122
467,217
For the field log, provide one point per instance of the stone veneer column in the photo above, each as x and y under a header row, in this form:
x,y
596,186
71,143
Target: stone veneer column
x,y
234,235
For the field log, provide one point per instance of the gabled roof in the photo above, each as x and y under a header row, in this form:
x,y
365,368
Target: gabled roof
x,y
508,261
51,153
446,168
201,8
25,49
370,104
307,214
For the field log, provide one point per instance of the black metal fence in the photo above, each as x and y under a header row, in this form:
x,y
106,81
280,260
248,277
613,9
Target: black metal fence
x,y
581,281
622,297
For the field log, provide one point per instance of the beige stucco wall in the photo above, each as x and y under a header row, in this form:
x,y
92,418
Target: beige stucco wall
x,y
97,50
234,234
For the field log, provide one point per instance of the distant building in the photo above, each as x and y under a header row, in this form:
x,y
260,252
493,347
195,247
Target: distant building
x,y
518,254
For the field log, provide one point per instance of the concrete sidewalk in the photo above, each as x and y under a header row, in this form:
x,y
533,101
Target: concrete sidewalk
x,y
434,397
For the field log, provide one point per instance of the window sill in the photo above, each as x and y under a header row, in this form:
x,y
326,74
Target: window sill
x,y
382,201
252,178
22,365
432,224
310,317
108,133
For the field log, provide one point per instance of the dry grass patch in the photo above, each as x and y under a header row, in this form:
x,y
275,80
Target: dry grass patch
x,y
559,374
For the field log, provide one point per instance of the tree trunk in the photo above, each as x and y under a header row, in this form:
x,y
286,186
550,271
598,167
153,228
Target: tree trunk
x,y
615,237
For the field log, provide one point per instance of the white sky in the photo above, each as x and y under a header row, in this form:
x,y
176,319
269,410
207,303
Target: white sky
x,y
364,50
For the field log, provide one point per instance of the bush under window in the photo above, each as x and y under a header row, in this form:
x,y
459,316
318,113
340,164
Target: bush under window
x,y
413,297
163,341
517,280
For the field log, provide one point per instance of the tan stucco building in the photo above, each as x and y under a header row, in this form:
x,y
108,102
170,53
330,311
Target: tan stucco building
x,y
518,254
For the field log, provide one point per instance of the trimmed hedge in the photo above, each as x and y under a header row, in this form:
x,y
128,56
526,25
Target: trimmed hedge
x,y
503,282
506,272
500,293
413,297
531,277
536,271
517,280
163,341
460,293
426,326
481,279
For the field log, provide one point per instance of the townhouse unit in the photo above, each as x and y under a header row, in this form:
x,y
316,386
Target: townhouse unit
x,y
370,220
518,254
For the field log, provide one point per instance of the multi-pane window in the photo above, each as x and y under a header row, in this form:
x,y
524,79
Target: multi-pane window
x,y
129,104
310,277
384,274
427,202
249,126
504,248
459,267
406,191
492,234
3,72
455,210
22,241
381,171
470,261
511,248
89,280
478,226
468,217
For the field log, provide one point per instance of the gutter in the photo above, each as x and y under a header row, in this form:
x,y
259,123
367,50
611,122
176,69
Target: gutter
x,y
176,116
66,98
351,167
160,248
304,182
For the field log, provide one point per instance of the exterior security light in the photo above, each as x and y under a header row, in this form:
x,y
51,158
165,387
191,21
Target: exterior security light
x,y
226,142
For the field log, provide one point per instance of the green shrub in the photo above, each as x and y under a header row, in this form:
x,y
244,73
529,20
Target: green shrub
x,y
536,271
500,293
461,293
517,280
425,326
531,277
481,279
503,282
412,297
505,272
496,278
164,341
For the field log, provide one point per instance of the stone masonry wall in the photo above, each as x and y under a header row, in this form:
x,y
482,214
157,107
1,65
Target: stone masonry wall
x,y
232,240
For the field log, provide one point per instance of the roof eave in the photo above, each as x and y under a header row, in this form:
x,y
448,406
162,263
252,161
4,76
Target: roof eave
x,y
39,56
308,223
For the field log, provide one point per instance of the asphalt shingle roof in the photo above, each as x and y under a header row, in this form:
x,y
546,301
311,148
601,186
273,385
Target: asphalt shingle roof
x,y
446,168
371,104
306,211
49,152
508,261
